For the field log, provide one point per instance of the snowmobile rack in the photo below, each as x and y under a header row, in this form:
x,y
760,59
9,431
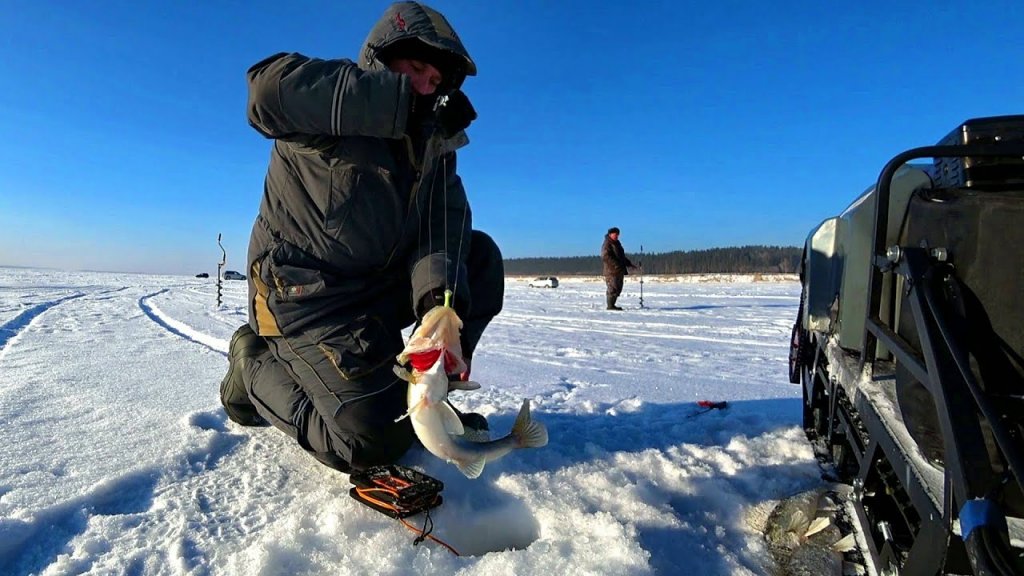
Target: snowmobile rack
x,y
396,491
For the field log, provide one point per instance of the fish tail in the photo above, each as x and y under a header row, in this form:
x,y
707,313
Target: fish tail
x,y
529,433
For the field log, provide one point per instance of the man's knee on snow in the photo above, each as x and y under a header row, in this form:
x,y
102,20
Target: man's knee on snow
x,y
382,446
368,426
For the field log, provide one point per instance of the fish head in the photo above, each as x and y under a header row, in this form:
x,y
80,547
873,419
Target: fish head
x,y
439,328
430,387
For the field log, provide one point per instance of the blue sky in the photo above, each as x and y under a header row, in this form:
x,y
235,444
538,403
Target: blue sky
x,y
688,125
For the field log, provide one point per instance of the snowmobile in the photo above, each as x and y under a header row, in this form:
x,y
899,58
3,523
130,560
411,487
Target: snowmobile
x,y
909,348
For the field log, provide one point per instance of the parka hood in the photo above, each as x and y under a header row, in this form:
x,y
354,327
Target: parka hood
x,y
411,21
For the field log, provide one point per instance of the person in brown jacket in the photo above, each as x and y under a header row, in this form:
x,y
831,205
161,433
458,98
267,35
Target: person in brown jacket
x,y
616,266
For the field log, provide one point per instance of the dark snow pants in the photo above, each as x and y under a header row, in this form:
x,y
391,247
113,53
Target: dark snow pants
x,y
332,388
614,287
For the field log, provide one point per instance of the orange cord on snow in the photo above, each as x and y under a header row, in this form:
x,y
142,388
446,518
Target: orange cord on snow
x,y
425,533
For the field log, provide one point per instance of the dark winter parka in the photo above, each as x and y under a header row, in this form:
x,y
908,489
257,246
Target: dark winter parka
x,y
353,207
614,257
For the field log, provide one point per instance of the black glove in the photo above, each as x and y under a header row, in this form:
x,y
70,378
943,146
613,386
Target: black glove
x,y
455,114
436,298
421,114
429,301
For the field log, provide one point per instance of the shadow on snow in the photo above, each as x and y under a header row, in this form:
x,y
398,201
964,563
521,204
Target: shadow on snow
x,y
709,499
29,546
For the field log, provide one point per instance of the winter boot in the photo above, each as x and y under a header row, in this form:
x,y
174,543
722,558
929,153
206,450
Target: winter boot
x,y
611,303
245,345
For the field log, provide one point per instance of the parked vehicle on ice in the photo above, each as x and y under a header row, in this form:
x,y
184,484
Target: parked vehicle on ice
x,y
232,275
202,275
909,345
544,282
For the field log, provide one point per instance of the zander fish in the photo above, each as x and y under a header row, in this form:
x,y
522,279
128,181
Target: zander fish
x,y
434,420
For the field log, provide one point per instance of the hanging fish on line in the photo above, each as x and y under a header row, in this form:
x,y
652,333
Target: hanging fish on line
x,y
434,352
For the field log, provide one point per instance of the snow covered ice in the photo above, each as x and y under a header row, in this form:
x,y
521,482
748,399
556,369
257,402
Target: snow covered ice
x,y
116,457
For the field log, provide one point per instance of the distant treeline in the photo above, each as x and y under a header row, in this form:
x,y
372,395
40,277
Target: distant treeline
x,y
740,260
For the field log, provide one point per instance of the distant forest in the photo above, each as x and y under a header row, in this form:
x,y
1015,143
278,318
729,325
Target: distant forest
x,y
740,260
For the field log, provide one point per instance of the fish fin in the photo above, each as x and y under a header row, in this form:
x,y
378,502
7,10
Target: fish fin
x,y
450,419
404,416
528,432
402,373
412,409
476,436
460,385
472,469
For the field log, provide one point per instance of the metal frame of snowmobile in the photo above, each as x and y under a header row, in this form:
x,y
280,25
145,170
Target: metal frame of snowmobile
x,y
907,509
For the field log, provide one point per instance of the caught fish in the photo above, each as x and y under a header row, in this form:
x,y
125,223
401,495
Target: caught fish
x,y
437,335
435,422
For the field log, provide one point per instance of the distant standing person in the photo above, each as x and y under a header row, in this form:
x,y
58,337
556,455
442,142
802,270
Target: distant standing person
x,y
616,266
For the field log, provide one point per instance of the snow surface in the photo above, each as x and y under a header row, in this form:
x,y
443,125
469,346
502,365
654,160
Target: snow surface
x,y
116,458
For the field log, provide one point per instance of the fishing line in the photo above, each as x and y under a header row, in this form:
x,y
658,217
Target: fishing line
x,y
444,160
443,101
462,229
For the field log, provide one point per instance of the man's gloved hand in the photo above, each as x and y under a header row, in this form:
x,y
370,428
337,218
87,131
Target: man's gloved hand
x,y
436,298
461,381
421,114
429,301
455,114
